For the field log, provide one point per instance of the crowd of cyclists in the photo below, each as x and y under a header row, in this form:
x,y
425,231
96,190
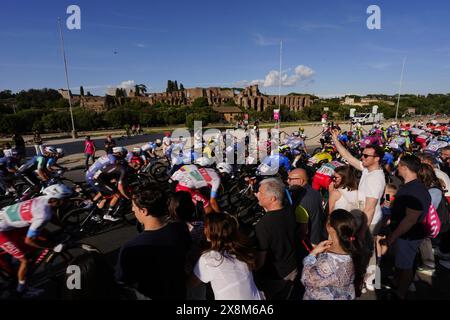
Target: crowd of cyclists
x,y
300,223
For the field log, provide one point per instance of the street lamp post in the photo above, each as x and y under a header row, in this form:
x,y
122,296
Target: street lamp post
x,y
400,89
74,132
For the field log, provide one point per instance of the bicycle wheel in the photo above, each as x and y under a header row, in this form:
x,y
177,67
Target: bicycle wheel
x,y
72,204
159,172
81,221
55,267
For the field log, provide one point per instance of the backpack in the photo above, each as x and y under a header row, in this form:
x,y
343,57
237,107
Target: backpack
x,y
431,223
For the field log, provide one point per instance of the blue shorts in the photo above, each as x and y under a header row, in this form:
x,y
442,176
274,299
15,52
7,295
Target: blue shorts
x,y
405,253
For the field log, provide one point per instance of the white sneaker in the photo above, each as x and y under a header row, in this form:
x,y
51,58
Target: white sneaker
x,y
110,218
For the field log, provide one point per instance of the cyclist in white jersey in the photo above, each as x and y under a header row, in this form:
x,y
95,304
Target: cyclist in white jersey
x,y
21,225
191,178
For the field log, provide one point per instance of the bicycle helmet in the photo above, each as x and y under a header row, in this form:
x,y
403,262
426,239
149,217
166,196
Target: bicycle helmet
x,y
283,148
303,136
158,142
50,149
119,150
224,168
301,129
60,151
136,150
296,134
57,191
203,161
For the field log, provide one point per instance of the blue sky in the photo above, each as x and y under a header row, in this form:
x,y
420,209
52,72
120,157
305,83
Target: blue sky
x,y
327,48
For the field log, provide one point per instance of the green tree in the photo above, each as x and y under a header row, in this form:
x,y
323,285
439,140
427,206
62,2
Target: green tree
x,y
175,86
200,103
181,87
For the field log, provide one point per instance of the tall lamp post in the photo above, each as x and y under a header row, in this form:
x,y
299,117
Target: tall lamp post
x,y
400,88
74,132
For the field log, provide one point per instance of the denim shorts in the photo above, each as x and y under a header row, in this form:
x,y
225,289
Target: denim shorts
x,y
405,253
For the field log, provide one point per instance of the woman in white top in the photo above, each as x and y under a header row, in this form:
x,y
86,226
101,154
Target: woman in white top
x,y
228,263
343,190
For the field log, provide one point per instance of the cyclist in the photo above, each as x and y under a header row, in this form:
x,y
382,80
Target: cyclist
x,y
271,164
21,225
52,165
8,168
324,175
193,177
153,149
104,174
38,164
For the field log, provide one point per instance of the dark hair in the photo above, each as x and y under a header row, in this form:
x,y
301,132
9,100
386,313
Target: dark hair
x,y
444,245
427,157
377,151
153,199
346,228
88,137
97,279
181,207
348,178
411,162
428,177
222,232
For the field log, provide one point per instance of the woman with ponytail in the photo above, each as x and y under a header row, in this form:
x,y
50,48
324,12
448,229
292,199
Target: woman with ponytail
x,y
335,269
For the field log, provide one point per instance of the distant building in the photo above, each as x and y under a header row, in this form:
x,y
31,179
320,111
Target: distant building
x,y
229,114
364,102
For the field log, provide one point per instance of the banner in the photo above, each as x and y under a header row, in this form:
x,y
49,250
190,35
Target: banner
x,y
276,114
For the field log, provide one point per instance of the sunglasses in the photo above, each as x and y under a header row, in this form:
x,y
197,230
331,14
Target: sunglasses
x,y
365,156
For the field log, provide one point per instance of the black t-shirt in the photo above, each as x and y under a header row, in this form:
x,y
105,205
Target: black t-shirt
x,y
275,234
446,169
413,195
154,262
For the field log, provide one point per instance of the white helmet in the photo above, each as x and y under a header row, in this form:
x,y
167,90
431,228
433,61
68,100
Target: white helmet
x,y
60,151
203,161
50,149
224,168
303,136
119,150
296,133
136,150
57,191
158,142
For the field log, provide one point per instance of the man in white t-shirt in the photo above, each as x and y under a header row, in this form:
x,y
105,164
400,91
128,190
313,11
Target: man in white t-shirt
x,y
370,191
372,183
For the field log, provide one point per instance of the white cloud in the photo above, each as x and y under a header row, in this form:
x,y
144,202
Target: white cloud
x,y
141,45
127,85
272,79
260,40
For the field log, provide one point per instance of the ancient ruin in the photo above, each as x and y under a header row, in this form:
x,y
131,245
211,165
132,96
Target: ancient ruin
x,y
248,98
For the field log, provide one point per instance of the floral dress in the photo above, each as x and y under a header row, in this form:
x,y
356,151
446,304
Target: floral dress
x,y
330,276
